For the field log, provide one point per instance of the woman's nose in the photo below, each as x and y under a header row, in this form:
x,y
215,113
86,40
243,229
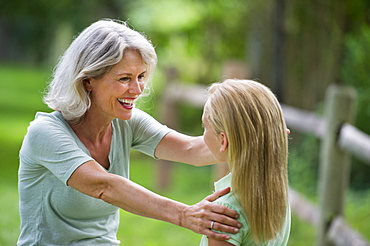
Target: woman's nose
x,y
136,87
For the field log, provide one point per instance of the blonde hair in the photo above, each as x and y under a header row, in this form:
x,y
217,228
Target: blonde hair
x,y
252,119
92,54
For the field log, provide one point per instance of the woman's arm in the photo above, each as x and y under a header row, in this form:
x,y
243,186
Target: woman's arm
x,y
91,179
186,149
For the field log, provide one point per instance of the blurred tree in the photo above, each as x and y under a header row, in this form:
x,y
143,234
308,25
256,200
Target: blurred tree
x,y
356,72
201,35
28,28
314,32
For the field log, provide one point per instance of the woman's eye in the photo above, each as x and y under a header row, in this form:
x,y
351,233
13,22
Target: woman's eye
x,y
124,79
141,76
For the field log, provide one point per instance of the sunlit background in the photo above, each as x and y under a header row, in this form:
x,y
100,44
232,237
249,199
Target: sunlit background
x,y
297,48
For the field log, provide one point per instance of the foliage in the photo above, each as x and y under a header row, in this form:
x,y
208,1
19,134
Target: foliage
x,y
186,31
303,165
356,73
181,30
29,27
198,38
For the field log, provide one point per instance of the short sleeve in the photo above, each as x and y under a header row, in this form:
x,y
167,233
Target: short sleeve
x,y
147,132
238,238
51,145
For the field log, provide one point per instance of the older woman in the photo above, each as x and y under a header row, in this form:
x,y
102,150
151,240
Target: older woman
x,y
74,162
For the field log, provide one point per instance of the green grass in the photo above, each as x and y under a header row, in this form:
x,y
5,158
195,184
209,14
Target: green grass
x,y
20,98
136,230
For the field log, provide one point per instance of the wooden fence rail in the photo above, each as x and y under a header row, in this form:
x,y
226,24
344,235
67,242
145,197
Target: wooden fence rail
x,y
350,138
339,139
355,141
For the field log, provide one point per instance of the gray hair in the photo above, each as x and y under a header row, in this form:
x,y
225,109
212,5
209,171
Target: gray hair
x,y
92,54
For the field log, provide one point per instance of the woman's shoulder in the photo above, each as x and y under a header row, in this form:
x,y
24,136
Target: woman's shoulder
x,y
137,116
139,121
47,123
42,118
44,133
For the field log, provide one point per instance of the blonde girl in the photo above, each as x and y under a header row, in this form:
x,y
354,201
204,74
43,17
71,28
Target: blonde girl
x,y
244,126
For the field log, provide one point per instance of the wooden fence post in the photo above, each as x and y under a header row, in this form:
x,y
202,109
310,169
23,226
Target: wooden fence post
x,y
335,162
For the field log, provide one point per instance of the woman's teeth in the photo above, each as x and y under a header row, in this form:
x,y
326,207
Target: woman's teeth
x,y
127,103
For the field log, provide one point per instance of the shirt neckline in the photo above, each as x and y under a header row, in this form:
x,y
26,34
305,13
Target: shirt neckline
x,y
223,183
110,154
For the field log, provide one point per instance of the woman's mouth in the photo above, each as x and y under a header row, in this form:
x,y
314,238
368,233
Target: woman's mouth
x,y
127,103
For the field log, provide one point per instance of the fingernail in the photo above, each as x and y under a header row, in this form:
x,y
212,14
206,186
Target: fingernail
x,y
239,225
236,216
227,237
236,230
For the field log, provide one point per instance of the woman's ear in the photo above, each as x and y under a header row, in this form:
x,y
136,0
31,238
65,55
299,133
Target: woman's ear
x,y
87,84
224,142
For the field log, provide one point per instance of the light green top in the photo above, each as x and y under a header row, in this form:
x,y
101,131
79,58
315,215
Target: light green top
x,y
243,237
53,213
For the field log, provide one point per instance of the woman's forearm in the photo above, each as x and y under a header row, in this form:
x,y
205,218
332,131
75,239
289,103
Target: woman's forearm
x,y
136,199
91,179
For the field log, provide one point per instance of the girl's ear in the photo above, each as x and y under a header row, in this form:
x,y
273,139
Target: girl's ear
x,y
224,142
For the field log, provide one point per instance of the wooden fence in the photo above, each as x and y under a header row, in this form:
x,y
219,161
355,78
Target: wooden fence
x,y
339,139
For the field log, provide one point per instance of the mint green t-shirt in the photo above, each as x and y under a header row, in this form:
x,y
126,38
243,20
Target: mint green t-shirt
x,y
244,237
53,213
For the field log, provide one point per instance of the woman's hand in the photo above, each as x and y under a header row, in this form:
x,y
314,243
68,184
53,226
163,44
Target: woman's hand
x,y
199,217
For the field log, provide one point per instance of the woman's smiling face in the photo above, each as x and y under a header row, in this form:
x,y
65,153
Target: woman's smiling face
x,y
114,94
